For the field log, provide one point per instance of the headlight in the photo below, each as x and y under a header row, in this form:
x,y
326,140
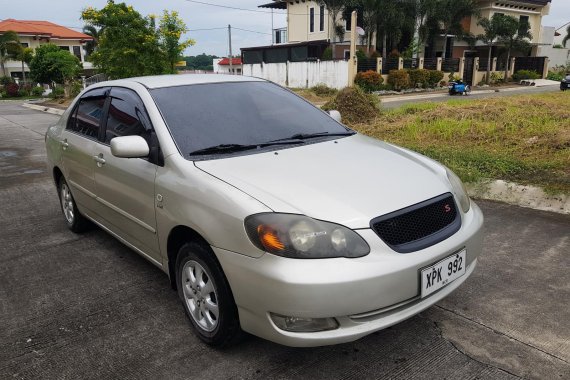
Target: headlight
x,y
301,237
459,190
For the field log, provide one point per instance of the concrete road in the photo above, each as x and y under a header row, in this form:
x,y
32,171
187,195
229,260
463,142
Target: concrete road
x,y
389,102
74,307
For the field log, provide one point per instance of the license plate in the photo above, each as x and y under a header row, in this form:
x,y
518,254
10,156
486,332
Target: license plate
x,y
442,273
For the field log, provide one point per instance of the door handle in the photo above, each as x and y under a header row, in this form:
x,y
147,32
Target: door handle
x,y
64,144
99,159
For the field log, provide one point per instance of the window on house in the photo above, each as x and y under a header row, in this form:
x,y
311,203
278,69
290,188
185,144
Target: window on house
x,y
66,48
348,23
322,18
499,14
311,20
24,44
524,23
77,51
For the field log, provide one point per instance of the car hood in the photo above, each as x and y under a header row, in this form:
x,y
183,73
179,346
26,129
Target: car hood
x,y
348,181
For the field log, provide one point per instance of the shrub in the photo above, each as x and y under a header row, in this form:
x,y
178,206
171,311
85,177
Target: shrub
x,y
355,105
453,77
12,90
37,91
323,90
25,90
6,80
555,76
435,77
497,77
75,88
419,77
327,54
57,93
526,74
399,79
360,54
369,81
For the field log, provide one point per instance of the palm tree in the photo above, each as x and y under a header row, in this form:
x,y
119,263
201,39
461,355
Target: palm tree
x,y
8,41
513,34
24,55
488,38
449,15
91,31
334,7
567,38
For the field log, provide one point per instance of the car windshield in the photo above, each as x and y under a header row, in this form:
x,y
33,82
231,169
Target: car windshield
x,y
223,118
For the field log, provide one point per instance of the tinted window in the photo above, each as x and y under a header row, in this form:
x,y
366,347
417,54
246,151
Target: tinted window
x,y
86,119
127,116
201,116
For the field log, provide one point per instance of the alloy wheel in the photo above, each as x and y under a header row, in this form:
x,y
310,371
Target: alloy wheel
x,y
200,295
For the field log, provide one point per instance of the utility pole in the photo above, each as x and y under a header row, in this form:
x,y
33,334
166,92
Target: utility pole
x,y
352,62
272,31
230,45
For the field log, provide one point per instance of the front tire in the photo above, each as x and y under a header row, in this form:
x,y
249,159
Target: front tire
x,y
206,295
74,220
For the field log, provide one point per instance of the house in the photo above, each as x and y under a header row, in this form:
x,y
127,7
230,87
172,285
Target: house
x,y
310,30
222,65
32,34
531,11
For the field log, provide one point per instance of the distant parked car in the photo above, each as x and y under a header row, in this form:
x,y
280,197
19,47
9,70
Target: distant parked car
x,y
267,213
565,83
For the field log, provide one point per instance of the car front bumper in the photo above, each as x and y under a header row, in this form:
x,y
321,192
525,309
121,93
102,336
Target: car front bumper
x,y
364,295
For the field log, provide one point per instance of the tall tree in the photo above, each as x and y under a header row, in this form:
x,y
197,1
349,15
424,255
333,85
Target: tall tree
x,y
513,34
170,30
128,44
448,15
93,32
52,64
8,40
24,55
488,38
567,38
370,13
334,8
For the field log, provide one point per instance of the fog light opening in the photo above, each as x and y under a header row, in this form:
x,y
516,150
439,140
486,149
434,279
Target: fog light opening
x,y
297,324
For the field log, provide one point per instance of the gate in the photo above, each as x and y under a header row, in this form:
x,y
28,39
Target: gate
x,y
468,71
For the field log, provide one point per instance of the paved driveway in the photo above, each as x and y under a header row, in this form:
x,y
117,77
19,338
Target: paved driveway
x,y
87,307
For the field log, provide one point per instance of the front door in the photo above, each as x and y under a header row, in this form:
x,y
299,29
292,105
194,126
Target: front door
x,y
468,71
125,186
78,146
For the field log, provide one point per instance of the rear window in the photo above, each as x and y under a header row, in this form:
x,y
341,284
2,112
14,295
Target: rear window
x,y
205,115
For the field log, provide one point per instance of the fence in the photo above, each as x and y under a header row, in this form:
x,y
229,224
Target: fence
x,y
430,63
411,63
301,74
390,64
94,79
450,65
530,63
365,64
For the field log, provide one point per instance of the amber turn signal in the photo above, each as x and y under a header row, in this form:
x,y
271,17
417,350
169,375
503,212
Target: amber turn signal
x,y
269,239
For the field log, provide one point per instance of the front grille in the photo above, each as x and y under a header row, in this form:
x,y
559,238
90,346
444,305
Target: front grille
x,y
419,226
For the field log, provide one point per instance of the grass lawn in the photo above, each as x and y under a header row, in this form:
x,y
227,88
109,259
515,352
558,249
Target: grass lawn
x,y
525,139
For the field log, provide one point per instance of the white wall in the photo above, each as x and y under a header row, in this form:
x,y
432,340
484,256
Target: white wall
x,y
301,74
557,57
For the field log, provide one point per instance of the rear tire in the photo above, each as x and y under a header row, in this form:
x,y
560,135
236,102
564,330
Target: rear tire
x,y
206,295
73,218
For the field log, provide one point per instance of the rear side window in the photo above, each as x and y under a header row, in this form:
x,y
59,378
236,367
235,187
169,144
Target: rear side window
x,y
127,116
87,117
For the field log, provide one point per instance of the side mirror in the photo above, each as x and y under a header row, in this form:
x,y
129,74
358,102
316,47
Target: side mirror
x,y
335,115
129,147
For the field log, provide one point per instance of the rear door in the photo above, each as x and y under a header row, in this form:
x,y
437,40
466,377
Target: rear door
x,y
78,143
125,186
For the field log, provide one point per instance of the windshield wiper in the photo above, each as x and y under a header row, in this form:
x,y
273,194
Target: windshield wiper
x,y
229,148
304,136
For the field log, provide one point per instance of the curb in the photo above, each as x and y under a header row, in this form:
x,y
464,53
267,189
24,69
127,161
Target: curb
x,y
519,195
390,99
53,111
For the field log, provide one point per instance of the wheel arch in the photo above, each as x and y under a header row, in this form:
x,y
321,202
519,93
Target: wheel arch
x,y
178,236
57,175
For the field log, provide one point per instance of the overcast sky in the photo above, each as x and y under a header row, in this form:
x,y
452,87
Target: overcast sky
x,y
198,16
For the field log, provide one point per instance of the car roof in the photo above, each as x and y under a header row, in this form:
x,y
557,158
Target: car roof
x,y
158,81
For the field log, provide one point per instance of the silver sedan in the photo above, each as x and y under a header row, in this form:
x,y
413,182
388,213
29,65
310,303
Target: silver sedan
x,y
268,215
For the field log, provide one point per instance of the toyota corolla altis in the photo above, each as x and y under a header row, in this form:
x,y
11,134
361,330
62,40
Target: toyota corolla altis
x,y
268,215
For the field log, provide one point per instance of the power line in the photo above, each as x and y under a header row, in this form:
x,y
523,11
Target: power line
x,y
251,31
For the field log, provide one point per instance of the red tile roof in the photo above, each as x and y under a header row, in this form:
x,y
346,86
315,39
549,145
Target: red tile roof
x,y
226,61
41,28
